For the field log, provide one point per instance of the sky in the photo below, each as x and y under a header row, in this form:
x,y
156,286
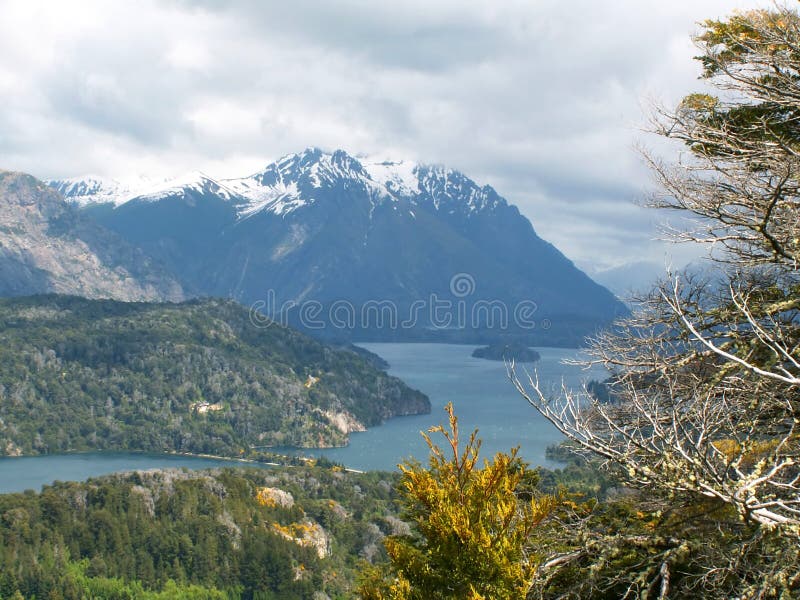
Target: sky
x,y
545,100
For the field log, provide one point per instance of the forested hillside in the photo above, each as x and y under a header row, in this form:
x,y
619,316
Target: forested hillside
x,y
197,377
276,534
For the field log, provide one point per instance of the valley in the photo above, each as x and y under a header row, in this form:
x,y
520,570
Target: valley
x,y
419,300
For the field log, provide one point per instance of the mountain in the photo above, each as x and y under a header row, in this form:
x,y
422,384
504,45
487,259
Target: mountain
x,y
94,189
200,377
49,246
336,244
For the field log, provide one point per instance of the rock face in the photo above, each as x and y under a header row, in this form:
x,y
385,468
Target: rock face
x,y
49,246
307,534
271,497
337,230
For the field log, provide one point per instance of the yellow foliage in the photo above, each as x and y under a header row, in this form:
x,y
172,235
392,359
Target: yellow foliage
x,y
753,450
265,497
472,526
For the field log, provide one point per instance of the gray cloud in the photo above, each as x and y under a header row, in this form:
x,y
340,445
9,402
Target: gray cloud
x,y
543,100
421,36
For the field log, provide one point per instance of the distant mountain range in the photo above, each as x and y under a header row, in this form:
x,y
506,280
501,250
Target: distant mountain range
x,y
629,279
359,248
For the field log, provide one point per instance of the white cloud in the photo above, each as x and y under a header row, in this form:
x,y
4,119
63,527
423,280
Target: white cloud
x,y
541,99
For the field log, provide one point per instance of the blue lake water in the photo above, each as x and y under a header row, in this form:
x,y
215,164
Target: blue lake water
x,y
479,390
32,472
483,398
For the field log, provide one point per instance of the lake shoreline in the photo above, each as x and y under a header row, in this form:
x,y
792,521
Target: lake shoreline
x,y
479,389
215,462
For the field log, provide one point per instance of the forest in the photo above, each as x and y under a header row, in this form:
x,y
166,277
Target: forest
x,y
197,377
282,533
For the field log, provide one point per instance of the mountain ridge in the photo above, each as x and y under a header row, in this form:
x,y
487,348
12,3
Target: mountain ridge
x,y
389,182
332,228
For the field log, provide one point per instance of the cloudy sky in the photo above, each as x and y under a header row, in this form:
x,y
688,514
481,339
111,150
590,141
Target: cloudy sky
x,y
543,99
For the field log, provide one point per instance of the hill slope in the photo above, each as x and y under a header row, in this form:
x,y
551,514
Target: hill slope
x,y
197,377
238,533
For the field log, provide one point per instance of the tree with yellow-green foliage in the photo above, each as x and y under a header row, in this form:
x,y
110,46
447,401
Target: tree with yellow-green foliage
x,y
472,526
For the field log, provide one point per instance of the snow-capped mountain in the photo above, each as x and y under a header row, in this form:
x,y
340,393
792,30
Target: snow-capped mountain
x,y
289,184
330,227
97,190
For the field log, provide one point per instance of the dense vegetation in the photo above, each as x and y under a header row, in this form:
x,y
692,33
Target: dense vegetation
x,y
197,377
492,531
502,531
234,533
516,352
288,532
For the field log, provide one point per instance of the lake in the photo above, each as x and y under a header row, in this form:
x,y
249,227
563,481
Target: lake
x,y
32,472
481,394
479,390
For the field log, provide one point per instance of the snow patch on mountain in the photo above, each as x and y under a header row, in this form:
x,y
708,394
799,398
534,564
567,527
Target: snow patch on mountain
x,y
296,181
96,189
291,182
453,192
280,198
398,177
92,189
267,191
194,182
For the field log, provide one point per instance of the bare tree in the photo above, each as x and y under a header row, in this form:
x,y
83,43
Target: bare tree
x,y
706,372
